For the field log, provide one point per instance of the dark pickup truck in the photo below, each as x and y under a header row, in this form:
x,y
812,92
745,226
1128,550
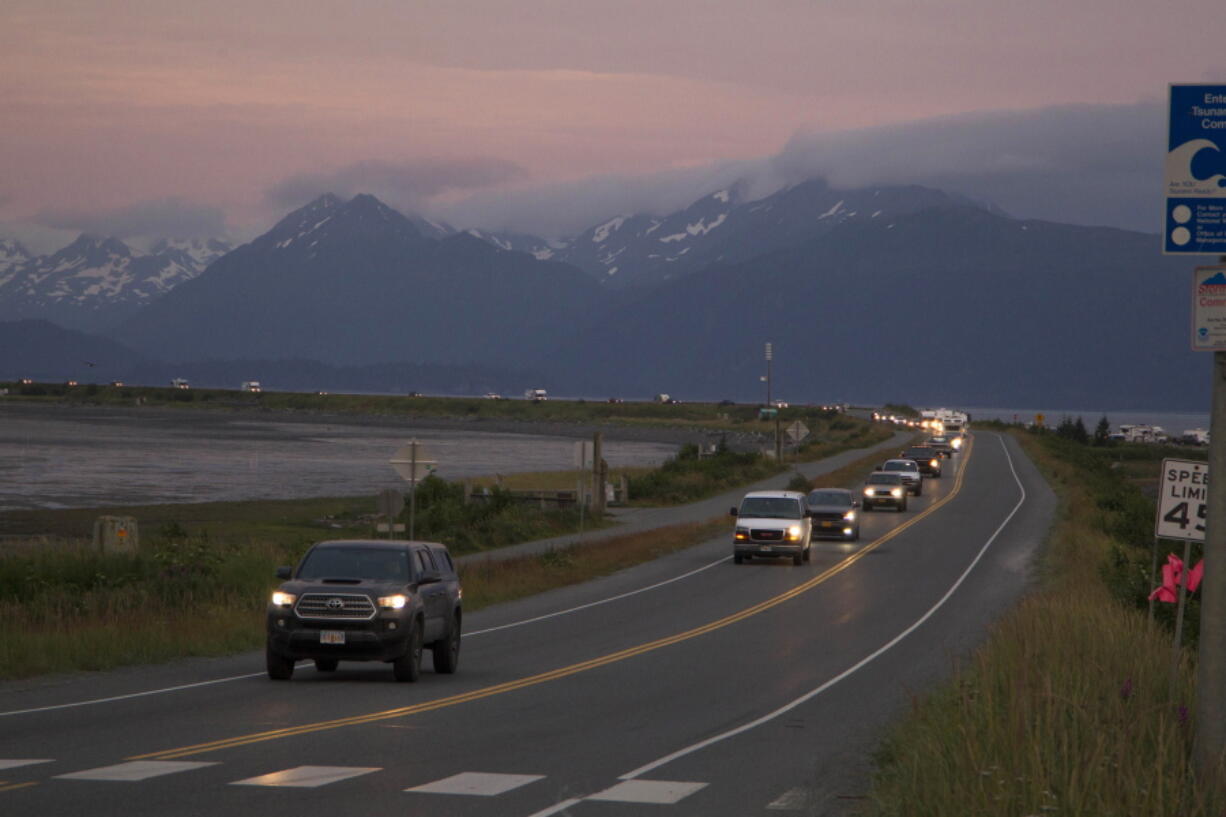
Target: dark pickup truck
x,y
366,600
928,459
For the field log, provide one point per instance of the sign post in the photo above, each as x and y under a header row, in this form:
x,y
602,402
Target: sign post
x,y
1183,505
1195,224
412,463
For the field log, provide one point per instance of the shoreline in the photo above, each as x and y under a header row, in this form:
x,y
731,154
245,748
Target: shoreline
x,y
222,415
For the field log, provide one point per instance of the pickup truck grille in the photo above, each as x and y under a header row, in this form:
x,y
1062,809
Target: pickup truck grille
x,y
335,606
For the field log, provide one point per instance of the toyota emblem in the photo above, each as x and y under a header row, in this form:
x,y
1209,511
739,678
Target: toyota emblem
x,y
335,603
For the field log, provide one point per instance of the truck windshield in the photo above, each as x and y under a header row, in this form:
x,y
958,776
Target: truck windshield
x,y
381,564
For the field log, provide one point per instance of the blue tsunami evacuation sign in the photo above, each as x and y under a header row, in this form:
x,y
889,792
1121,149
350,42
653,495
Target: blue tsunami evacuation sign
x,y
1196,171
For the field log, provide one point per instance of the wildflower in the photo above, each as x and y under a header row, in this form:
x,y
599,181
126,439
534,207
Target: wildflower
x,y
1126,690
1183,715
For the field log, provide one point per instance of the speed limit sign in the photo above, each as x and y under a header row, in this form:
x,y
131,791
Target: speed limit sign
x,y
1183,494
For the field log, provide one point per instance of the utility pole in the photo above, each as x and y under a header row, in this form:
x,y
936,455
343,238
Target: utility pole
x,y
598,475
770,356
1210,746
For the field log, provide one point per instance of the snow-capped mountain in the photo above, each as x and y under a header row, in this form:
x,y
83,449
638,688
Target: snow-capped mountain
x,y
95,280
354,282
12,256
722,227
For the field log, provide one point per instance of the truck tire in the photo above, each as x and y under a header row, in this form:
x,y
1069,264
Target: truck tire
x,y
408,666
447,650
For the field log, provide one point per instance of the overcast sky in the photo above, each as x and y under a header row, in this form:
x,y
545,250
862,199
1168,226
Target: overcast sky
x,y
162,116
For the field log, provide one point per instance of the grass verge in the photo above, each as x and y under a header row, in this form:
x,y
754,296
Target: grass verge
x,y
1067,708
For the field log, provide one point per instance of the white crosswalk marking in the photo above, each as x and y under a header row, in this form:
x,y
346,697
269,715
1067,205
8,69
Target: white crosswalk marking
x,y
648,791
481,784
136,770
307,777
791,800
13,763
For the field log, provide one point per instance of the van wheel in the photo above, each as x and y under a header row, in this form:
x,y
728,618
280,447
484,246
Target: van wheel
x,y
447,650
408,666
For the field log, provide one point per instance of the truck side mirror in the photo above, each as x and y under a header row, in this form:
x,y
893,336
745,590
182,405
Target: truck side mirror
x,y
284,572
732,512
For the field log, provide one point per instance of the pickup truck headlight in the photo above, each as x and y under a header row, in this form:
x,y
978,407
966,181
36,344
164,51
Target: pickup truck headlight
x,y
896,492
850,516
868,491
741,534
395,602
281,599
794,533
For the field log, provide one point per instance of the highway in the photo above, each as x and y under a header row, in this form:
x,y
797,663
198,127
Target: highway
x,y
685,686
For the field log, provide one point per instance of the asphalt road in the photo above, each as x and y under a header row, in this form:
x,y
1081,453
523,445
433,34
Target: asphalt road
x,y
686,686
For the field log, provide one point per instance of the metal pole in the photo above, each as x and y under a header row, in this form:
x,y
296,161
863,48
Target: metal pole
x,y
1210,746
1153,575
1177,643
412,488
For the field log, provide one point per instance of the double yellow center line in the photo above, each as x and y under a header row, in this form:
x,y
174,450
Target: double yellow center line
x,y
561,672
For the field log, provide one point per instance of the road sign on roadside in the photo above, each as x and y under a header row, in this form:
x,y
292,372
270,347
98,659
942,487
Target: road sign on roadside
x,y
1183,496
412,462
797,431
1195,185
1209,309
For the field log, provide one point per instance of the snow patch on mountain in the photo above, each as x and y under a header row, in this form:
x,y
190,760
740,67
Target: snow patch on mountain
x,y
602,232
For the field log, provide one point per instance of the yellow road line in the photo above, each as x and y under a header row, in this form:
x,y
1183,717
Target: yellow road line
x,y
572,669
16,786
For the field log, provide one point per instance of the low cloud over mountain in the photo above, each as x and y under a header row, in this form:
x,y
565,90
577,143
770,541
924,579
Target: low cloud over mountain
x,y
1087,164
166,217
407,185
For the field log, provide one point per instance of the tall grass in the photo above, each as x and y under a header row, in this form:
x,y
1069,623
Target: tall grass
x,y
1068,708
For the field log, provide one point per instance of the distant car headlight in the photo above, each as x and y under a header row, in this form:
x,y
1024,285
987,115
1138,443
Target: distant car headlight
x,y
868,491
896,492
283,599
395,602
741,534
794,532
850,516
956,443
934,463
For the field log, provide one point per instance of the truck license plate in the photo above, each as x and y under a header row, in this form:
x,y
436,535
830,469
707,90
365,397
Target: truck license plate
x,y
331,636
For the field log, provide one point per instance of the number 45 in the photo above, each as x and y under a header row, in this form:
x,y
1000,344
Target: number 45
x,y
1179,516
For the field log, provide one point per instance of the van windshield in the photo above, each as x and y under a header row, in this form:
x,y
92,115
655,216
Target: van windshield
x,y
765,507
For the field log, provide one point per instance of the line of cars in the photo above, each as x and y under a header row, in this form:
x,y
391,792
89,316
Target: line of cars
x,y
784,523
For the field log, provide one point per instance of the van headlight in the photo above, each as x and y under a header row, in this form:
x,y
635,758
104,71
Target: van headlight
x,y
794,533
741,534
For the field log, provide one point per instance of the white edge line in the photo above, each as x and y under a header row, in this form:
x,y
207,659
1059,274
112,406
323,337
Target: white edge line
x,y
130,695
181,687
858,665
